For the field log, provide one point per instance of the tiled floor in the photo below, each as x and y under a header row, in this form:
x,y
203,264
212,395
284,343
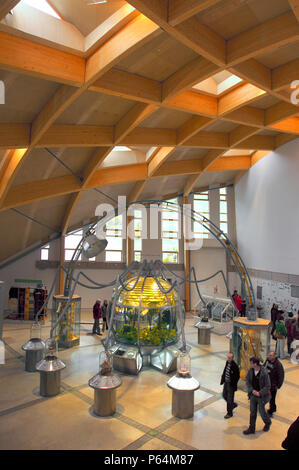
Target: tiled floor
x,y
143,419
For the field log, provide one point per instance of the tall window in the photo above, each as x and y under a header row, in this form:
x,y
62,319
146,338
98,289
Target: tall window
x,y
223,209
114,237
201,204
137,235
71,243
44,253
170,235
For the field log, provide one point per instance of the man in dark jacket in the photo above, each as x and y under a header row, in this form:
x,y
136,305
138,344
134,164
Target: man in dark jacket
x,y
276,374
230,378
258,385
96,317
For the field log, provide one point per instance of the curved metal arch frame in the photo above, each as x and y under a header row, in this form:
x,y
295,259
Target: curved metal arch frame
x,y
246,284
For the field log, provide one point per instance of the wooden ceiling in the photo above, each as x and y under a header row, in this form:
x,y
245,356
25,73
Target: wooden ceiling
x,y
130,82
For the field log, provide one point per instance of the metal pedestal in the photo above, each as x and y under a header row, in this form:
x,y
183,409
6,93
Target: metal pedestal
x,y
31,359
104,393
104,402
183,388
204,331
183,403
50,383
34,349
204,336
49,369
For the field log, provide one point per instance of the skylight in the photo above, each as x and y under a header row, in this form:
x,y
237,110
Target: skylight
x,y
219,83
122,148
43,6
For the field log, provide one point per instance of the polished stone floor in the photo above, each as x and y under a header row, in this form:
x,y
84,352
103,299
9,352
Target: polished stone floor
x,y
143,419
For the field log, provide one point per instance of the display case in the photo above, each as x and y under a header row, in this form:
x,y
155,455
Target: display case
x,y
68,330
145,316
250,338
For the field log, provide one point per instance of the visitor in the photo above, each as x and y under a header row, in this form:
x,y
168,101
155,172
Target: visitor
x,y
238,301
96,317
104,314
258,385
291,442
276,374
280,333
230,378
274,316
291,327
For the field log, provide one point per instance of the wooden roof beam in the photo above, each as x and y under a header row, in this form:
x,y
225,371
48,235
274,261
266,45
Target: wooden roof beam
x,y
191,127
128,85
284,75
271,34
295,7
196,71
290,125
280,112
161,155
244,94
6,6
28,57
179,11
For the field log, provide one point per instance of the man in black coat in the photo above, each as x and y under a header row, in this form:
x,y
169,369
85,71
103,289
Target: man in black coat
x,y
230,378
276,374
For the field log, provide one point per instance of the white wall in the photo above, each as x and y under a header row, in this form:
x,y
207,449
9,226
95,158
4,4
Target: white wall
x,y
206,262
267,212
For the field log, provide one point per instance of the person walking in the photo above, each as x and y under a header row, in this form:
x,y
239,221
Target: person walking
x,y
104,314
281,334
96,317
230,378
258,385
276,374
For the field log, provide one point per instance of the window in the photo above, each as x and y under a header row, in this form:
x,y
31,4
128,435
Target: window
x,y
201,204
223,209
137,235
170,235
114,237
44,253
71,243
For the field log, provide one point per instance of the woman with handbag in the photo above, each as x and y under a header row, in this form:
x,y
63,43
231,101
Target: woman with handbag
x,y
281,334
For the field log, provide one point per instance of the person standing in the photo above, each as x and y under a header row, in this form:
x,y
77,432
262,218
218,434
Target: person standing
x,y
290,333
238,301
274,316
230,378
104,314
258,385
276,374
281,334
96,317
